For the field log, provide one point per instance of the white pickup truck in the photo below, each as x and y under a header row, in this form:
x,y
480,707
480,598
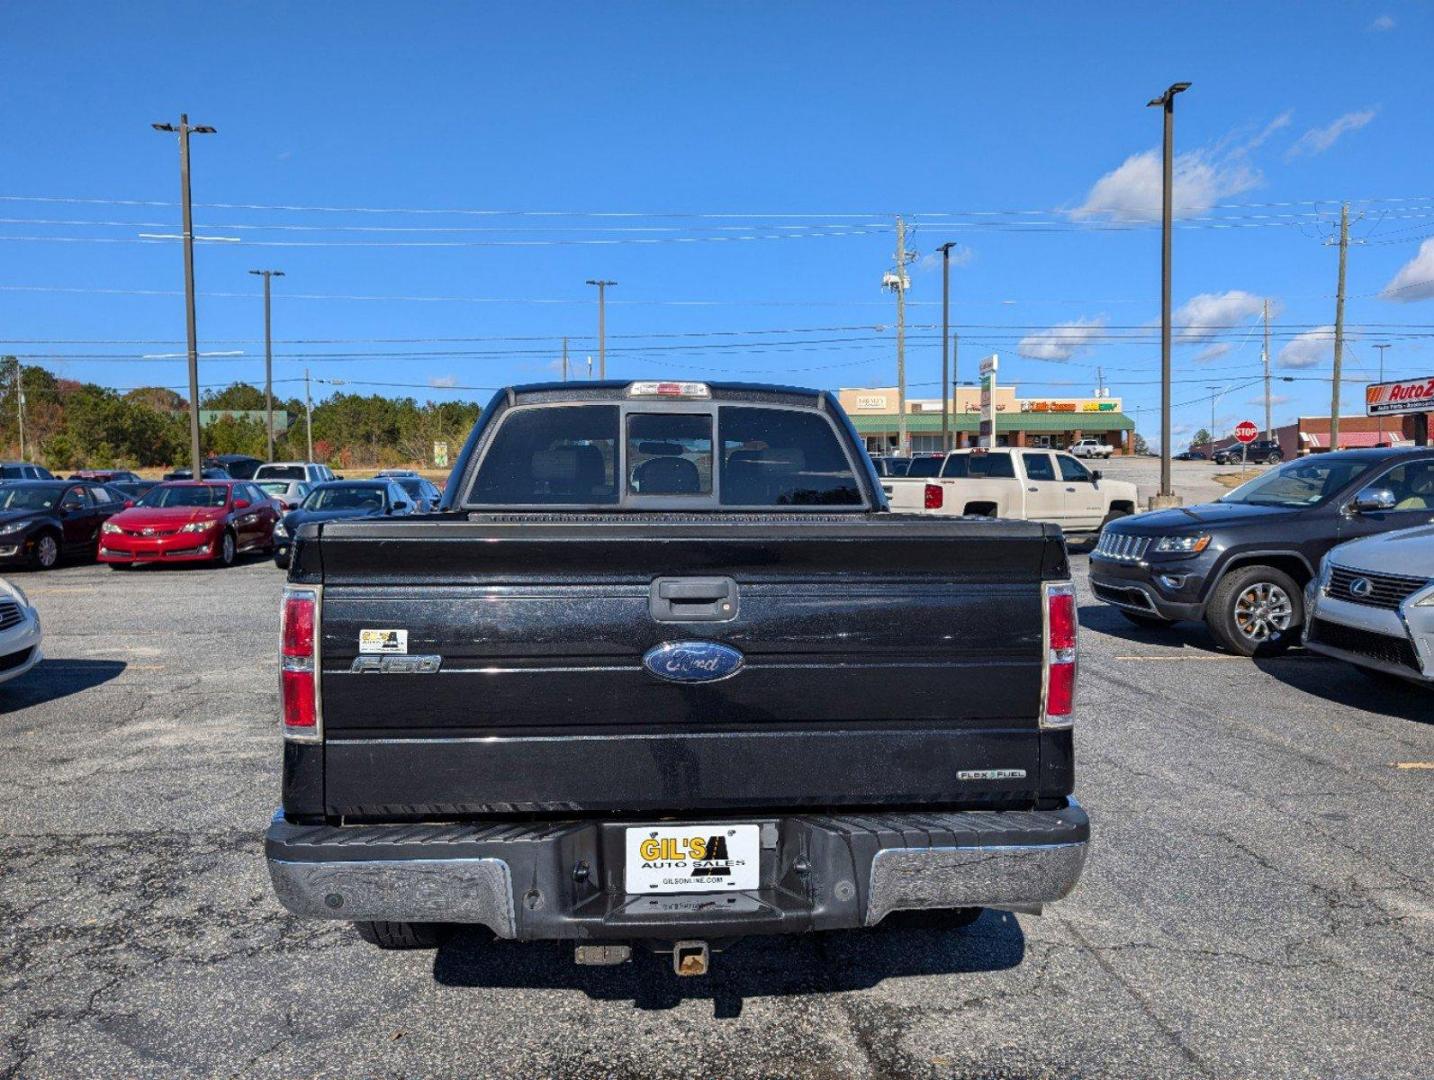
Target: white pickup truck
x,y
1089,448
1030,484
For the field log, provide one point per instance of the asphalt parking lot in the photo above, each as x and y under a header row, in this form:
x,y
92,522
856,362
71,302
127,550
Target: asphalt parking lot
x,y
1258,901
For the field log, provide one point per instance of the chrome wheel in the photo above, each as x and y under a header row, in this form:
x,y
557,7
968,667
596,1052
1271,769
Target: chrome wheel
x,y
47,552
226,549
1263,611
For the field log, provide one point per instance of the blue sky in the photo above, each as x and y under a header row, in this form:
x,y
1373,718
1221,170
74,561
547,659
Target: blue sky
x,y
737,168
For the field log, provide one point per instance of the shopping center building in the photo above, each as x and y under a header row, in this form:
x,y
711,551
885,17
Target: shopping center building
x,y
1045,421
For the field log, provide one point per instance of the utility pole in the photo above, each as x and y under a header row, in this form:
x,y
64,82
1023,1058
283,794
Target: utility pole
x,y
20,406
184,130
1380,421
1167,103
955,373
268,363
1214,397
565,359
308,415
602,325
1265,357
897,282
1338,328
945,250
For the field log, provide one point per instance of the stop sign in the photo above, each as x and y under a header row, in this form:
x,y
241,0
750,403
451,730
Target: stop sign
x,y
1246,431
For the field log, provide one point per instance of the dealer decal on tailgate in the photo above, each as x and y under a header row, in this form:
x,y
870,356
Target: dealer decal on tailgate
x,y
383,641
693,858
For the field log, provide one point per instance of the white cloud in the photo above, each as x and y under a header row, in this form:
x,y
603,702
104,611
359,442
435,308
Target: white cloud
x,y
1202,317
1318,140
1281,121
1308,349
1061,341
443,382
1212,352
1276,400
1131,192
961,255
1415,280
1384,22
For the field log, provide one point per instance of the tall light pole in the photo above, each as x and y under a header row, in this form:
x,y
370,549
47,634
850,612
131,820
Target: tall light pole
x,y
602,325
184,130
1166,101
945,250
268,363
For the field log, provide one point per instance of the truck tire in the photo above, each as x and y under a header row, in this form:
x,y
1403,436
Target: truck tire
x,y
400,935
1112,515
1256,611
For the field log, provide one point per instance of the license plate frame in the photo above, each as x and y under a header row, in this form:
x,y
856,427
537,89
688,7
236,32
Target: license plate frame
x,y
671,867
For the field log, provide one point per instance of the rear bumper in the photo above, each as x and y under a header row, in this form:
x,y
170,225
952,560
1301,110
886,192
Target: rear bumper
x,y
564,880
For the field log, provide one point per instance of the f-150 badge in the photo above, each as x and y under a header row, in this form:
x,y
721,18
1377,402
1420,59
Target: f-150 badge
x,y
693,661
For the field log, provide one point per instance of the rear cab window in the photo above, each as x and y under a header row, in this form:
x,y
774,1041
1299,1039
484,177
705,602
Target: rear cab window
x,y
659,455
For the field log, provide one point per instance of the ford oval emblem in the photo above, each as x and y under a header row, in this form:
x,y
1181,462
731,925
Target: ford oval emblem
x,y
693,661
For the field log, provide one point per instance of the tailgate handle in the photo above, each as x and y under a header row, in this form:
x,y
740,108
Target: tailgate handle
x,y
693,599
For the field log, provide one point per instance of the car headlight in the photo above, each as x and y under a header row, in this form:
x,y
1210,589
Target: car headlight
x,y
13,526
1426,601
198,526
15,591
110,527
279,529
1183,545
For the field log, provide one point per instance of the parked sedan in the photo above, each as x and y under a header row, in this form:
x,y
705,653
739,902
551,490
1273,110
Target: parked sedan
x,y
105,476
19,633
337,500
44,521
290,493
1373,605
209,521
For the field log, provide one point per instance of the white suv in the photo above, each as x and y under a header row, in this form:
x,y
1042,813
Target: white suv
x,y
302,471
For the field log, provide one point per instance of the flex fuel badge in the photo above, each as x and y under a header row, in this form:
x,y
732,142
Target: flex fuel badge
x,y
383,641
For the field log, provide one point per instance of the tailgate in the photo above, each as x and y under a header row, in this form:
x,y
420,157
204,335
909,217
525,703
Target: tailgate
x,y
881,658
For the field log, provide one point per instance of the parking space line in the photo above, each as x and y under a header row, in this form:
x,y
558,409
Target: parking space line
x,y
1414,764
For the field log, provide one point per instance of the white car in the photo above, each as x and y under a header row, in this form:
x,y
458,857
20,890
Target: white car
x,y
1029,484
303,471
1372,604
19,633
1089,448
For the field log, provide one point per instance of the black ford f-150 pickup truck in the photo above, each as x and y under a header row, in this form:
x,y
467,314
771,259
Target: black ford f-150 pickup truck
x,y
665,670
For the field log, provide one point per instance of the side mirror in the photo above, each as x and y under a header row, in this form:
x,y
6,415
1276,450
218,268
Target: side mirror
x,y
1095,475
1372,500
399,506
128,503
241,504
291,506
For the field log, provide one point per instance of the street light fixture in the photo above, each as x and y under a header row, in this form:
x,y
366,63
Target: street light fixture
x,y
1166,101
184,129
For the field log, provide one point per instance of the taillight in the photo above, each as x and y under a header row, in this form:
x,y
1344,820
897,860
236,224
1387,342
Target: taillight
x,y
1060,656
935,496
298,691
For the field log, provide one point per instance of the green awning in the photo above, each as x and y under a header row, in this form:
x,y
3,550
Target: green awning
x,y
924,423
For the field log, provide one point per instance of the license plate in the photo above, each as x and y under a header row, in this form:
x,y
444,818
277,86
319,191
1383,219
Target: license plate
x,y
693,858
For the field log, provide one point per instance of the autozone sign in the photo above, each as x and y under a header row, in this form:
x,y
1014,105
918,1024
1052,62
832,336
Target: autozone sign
x,y
1411,395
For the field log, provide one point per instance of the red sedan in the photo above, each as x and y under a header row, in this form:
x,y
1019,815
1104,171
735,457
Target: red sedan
x,y
185,521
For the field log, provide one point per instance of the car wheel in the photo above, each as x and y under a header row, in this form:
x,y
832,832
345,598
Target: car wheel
x,y
1113,515
401,935
227,549
1256,611
46,555
1148,622
1275,458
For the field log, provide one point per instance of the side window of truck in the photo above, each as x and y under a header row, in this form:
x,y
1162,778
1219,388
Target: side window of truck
x,y
979,466
565,454
1038,466
1072,471
782,457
